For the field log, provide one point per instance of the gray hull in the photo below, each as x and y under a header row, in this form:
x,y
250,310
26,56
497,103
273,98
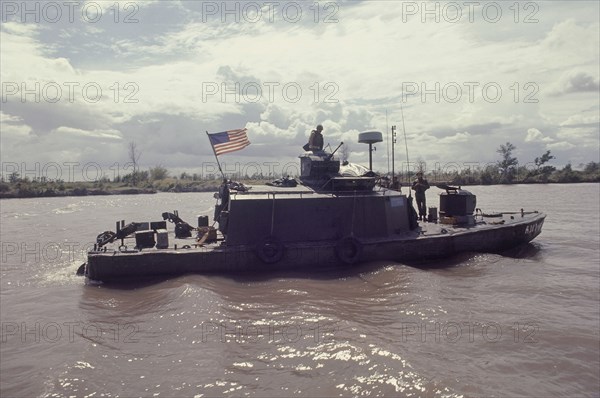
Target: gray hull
x,y
428,242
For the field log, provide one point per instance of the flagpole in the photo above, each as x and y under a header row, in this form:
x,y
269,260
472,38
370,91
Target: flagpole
x,y
216,157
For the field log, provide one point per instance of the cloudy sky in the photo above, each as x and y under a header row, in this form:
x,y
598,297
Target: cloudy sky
x,y
82,79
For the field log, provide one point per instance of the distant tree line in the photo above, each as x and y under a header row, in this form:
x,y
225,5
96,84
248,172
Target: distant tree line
x,y
508,171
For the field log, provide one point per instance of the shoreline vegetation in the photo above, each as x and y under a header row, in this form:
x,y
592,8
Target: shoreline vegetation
x,y
157,179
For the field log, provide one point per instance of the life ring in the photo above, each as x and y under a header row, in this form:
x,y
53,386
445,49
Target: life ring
x,y
270,250
348,250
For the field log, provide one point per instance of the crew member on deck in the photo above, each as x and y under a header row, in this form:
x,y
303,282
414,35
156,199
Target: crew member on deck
x,y
224,194
315,142
420,185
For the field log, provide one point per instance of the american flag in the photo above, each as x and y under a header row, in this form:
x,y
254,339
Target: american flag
x,y
229,141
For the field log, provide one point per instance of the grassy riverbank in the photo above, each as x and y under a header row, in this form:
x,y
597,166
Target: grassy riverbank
x,y
26,188
37,189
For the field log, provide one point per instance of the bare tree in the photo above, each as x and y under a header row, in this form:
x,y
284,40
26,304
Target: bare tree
x,y
421,166
134,158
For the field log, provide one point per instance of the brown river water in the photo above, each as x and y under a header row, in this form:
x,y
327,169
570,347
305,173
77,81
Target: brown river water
x,y
524,323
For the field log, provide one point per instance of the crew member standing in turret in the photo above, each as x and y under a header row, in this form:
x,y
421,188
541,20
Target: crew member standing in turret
x,y
315,142
420,185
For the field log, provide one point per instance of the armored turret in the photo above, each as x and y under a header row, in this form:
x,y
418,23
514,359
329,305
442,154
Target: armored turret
x,y
318,167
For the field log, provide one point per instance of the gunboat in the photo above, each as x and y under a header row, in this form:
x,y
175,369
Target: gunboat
x,y
336,215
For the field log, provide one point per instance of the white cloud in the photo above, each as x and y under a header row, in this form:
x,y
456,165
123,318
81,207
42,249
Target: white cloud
x,y
20,29
349,74
14,131
582,119
573,41
11,128
100,134
457,138
535,135
6,118
576,82
560,146
119,6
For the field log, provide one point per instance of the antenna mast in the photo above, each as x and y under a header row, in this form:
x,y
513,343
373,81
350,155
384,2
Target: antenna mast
x,y
406,145
393,142
387,132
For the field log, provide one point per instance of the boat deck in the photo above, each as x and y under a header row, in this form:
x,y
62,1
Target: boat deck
x,y
116,262
424,230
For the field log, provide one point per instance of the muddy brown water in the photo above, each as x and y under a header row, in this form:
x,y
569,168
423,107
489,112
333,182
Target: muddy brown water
x,y
524,323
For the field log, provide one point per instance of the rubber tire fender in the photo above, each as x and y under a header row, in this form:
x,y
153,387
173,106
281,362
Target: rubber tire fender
x,y
348,249
270,250
82,269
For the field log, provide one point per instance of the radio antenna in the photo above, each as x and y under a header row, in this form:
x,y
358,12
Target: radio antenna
x,y
406,145
387,127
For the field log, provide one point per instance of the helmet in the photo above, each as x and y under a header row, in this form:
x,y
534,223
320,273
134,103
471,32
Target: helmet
x,y
319,127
